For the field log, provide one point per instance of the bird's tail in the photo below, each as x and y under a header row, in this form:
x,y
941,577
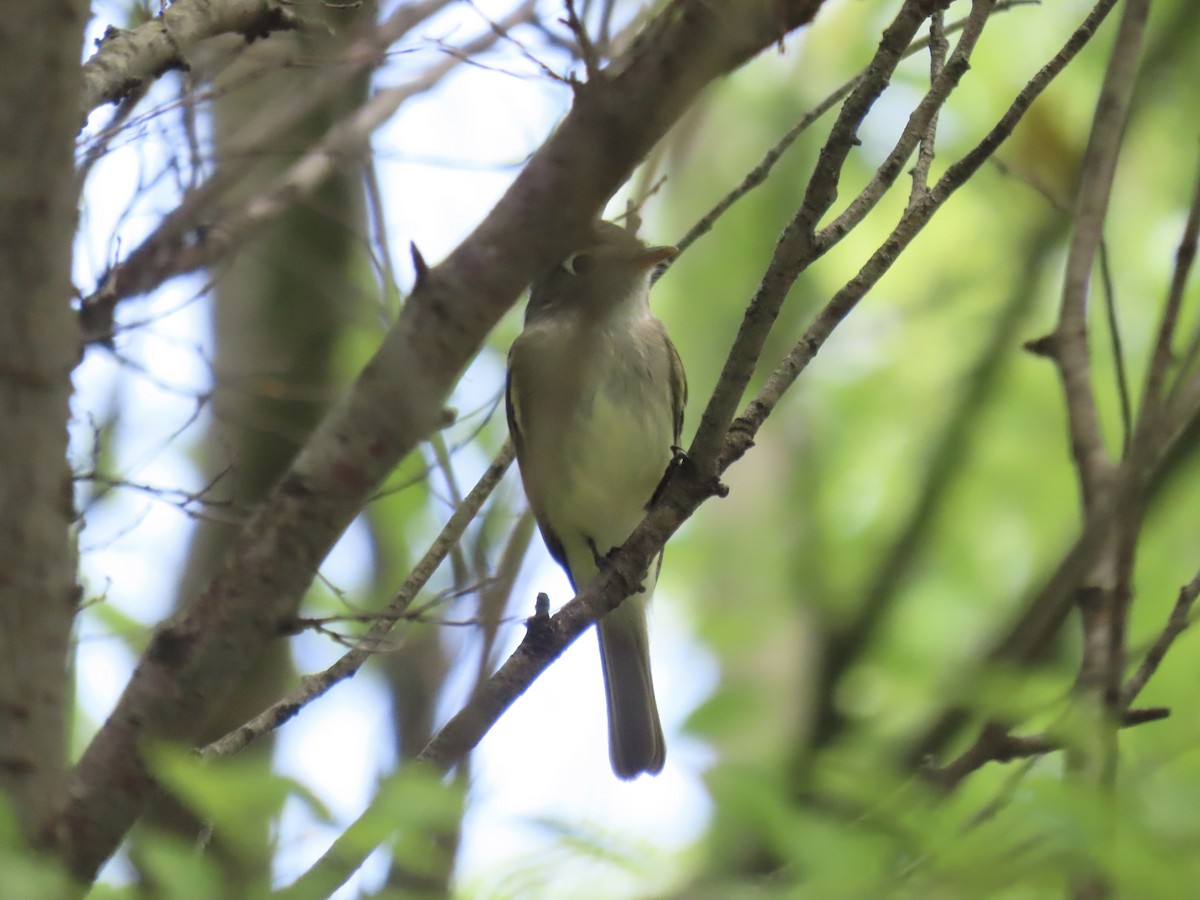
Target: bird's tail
x,y
635,736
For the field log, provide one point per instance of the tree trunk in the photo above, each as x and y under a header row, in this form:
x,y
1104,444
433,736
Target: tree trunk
x,y
39,344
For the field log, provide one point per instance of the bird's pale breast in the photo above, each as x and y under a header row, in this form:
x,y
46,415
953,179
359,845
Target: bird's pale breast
x,y
610,421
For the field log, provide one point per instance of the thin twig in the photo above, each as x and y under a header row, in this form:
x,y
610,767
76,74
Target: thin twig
x,y
995,744
1185,257
938,48
1177,622
587,50
493,599
343,141
1118,349
381,253
441,455
313,686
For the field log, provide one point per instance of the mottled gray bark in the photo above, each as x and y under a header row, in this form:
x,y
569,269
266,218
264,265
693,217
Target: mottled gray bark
x,y
40,45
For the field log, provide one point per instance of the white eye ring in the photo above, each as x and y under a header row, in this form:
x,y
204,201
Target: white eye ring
x,y
578,263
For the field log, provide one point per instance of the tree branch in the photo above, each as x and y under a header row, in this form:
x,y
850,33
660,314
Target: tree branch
x,y
1177,623
996,744
1185,257
1044,614
126,60
758,175
1070,341
313,686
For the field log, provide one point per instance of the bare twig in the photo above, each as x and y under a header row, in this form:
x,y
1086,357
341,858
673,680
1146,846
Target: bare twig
x,y
381,253
1118,349
128,60
1178,621
1161,361
938,48
918,122
313,686
493,599
587,50
996,744
178,230
1103,595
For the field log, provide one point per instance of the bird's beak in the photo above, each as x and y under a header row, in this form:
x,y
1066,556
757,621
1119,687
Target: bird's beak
x,y
652,256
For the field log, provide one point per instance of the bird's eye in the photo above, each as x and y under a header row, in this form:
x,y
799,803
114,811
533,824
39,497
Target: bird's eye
x,y
578,263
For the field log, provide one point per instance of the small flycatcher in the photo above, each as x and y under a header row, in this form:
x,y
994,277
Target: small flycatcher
x,y
595,400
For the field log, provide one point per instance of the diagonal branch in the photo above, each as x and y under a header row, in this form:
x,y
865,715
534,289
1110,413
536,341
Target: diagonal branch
x,y
1177,623
921,119
758,175
1185,258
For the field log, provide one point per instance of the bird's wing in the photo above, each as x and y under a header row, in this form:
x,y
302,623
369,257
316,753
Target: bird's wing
x,y
679,387
512,410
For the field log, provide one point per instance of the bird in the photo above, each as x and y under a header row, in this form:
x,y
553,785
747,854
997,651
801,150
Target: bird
x,y
595,397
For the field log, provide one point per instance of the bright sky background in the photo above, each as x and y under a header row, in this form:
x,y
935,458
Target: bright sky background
x,y
546,763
